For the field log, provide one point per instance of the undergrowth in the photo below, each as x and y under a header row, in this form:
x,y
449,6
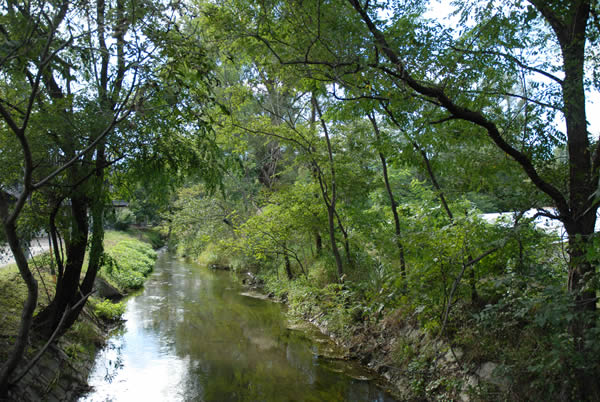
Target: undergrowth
x,y
107,310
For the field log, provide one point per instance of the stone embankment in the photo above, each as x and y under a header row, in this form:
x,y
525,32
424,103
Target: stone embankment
x,y
415,364
57,376
412,364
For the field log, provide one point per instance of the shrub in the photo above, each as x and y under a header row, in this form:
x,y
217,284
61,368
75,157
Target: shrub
x,y
213,256
108,310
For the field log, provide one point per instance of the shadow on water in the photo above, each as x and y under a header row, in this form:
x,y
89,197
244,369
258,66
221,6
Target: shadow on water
x,y
190,335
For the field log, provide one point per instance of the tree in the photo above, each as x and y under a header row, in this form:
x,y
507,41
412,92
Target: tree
x,y
484,75
272,112
17,121
78,77
577,208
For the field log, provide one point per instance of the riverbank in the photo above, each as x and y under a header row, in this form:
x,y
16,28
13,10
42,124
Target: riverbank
x,y
414,363
61,374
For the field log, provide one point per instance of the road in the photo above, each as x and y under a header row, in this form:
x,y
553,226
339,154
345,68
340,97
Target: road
x,y
37,246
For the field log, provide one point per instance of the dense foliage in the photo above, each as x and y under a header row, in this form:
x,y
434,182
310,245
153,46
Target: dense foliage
x,y
344,150
372,136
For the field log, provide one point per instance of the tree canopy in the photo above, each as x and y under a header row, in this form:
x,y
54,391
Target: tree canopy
x,y
353,144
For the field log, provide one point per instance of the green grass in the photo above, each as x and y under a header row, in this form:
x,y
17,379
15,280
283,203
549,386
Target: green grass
x,y
213,256
13,293
147,235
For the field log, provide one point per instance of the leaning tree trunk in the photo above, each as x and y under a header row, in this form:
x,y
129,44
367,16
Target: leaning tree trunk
x,y
29,305
441,197
329,198
394,207
334,247
345,236
315,174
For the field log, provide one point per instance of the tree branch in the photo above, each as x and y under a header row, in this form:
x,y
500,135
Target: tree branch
x,y
513,59
462,113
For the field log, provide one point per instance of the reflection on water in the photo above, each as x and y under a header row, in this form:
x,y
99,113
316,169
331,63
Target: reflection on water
x,y
191,336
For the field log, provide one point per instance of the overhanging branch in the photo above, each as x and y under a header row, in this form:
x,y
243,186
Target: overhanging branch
x,y
461,112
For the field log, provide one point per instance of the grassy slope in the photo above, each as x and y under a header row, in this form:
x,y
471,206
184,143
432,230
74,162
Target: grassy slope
x,y
13,291
128,260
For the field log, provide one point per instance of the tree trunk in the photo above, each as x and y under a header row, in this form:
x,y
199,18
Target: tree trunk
x,y
18,350
580,218
329,199
315,174
288,267
581,273
318,243
97,243
345,236
473,284
334,247
390,193
67,289
56,245
581,269
442,198
580,221
394,207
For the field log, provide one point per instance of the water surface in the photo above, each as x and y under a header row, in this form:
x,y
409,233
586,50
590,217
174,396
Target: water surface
x,y
191,336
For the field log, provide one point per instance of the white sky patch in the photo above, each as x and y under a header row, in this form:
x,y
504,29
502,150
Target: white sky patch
x,y
548,225
592,109
441,11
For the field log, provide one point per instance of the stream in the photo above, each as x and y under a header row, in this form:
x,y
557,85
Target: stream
x,y
192,335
